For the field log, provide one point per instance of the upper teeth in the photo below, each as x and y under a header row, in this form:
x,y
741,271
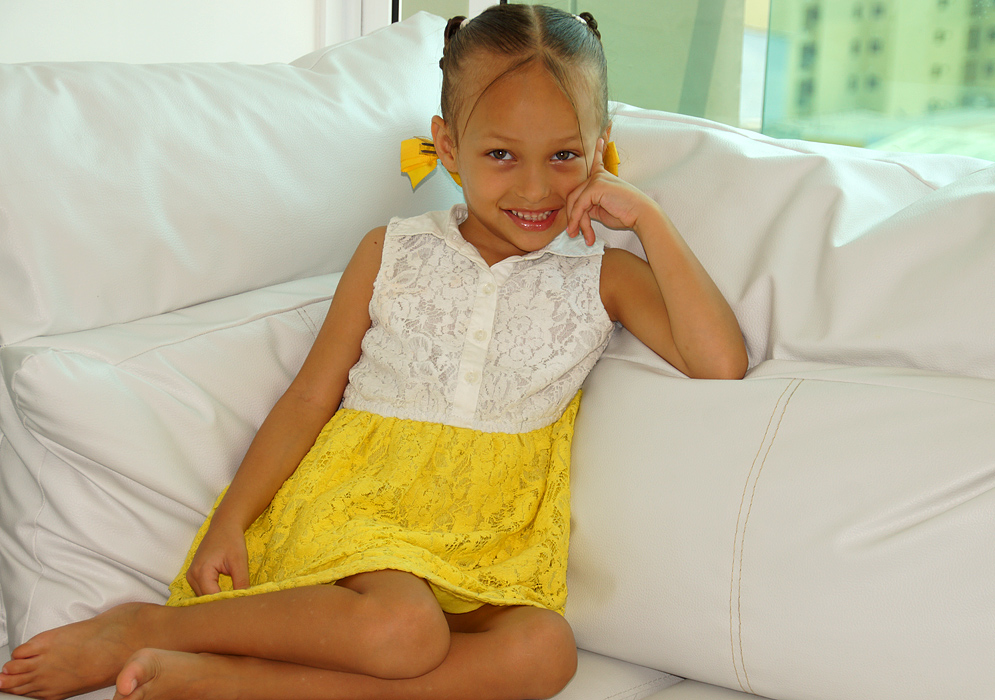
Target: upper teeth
x,y
530,216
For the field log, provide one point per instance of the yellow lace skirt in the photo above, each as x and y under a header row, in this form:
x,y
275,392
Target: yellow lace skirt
x,y
482,517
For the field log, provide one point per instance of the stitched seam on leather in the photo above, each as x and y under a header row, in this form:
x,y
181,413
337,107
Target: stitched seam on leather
x,y
746,521
227,326
636,688
735,541
209,331
896,386
307,321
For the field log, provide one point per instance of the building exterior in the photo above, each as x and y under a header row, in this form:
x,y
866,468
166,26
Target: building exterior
x,y
859,63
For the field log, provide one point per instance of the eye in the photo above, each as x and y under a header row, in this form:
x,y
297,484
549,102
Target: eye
x,y
564,155
499,154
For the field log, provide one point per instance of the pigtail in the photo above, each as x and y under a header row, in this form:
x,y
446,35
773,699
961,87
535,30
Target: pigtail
x,y
592,23
452,26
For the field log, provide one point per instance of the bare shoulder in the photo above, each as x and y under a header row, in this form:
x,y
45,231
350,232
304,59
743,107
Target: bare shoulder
x,y
372,243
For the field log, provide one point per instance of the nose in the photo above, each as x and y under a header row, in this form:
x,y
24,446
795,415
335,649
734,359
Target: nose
x,y
533,185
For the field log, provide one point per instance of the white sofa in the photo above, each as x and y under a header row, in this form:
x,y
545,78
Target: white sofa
x,y
170,236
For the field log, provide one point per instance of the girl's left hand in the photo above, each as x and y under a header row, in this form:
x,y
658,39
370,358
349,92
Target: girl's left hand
x,y
605,198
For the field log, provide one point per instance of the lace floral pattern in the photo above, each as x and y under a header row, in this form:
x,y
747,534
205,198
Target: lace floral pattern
x,y
483,517
435,326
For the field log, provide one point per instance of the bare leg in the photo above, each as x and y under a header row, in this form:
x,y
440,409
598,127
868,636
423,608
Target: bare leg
x,y
501,654
386,624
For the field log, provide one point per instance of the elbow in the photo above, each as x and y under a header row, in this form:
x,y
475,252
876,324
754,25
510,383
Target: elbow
x,y
729,365
735,364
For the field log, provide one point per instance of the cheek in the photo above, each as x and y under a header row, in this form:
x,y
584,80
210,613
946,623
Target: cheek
x,y
574,176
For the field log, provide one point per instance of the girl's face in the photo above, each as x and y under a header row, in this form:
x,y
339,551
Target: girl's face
x,y
520,154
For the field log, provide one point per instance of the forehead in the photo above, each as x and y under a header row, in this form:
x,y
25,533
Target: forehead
x,y
502,91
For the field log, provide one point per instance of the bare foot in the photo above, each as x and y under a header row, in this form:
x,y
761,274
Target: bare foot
x,y
154,674
77,658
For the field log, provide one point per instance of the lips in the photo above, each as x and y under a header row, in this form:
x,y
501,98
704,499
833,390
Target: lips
x,y
532,220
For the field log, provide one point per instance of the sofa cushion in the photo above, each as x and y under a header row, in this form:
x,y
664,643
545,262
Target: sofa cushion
x,y
131,190
119,439
828,253
810,532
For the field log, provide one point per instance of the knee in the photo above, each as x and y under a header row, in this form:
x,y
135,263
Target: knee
x,y
406,641
549,652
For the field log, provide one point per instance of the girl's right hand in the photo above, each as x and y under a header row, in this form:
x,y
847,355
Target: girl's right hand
x,y
222,551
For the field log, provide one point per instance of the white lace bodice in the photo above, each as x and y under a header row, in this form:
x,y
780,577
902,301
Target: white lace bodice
x,y
497,349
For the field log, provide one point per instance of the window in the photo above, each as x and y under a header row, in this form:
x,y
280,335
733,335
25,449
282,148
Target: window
x,y
971,72
973,38
884,68
806,89
808,55
811,17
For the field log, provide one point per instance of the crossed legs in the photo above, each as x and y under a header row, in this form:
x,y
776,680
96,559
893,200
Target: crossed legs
x,y
380,634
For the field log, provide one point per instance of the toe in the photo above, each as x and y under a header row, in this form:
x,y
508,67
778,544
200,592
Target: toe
x,y
32,647
141,668
17,667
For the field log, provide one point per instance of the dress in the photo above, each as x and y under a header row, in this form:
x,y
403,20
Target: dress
x,y
449,457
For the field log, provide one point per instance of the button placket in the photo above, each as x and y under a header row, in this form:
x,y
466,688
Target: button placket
x,y
479,330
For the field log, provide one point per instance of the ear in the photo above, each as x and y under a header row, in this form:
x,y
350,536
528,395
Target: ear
x,y
445,147
608,133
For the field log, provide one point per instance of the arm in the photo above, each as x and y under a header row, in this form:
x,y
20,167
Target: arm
x,y
293,423
668,301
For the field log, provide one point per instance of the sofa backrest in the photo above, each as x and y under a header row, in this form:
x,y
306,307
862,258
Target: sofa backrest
x,y
132,190
827,253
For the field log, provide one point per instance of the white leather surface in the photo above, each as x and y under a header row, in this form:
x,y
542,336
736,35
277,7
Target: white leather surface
x,y
692,690
604,678
827,253
120,438
819,532
131,190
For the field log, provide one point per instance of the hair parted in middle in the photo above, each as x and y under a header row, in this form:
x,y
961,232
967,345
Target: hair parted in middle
x,y
567,45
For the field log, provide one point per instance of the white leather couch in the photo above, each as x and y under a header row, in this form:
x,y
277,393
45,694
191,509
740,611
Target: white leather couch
x,y
170,236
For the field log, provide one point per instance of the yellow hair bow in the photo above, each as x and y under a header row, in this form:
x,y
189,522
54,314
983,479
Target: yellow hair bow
x,y
418,159
610,158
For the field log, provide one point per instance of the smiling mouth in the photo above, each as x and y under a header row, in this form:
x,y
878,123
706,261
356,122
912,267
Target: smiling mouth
x,y
532,215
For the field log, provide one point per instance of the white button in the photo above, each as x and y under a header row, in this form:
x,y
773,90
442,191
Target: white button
x,y
472,377
488,288
480,335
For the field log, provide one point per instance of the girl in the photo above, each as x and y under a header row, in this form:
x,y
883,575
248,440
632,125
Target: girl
x,y
435,498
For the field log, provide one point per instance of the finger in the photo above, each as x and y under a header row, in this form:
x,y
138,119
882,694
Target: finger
x,y
589,235
204,582
209,584
598,162
194,583
240,575
573,211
